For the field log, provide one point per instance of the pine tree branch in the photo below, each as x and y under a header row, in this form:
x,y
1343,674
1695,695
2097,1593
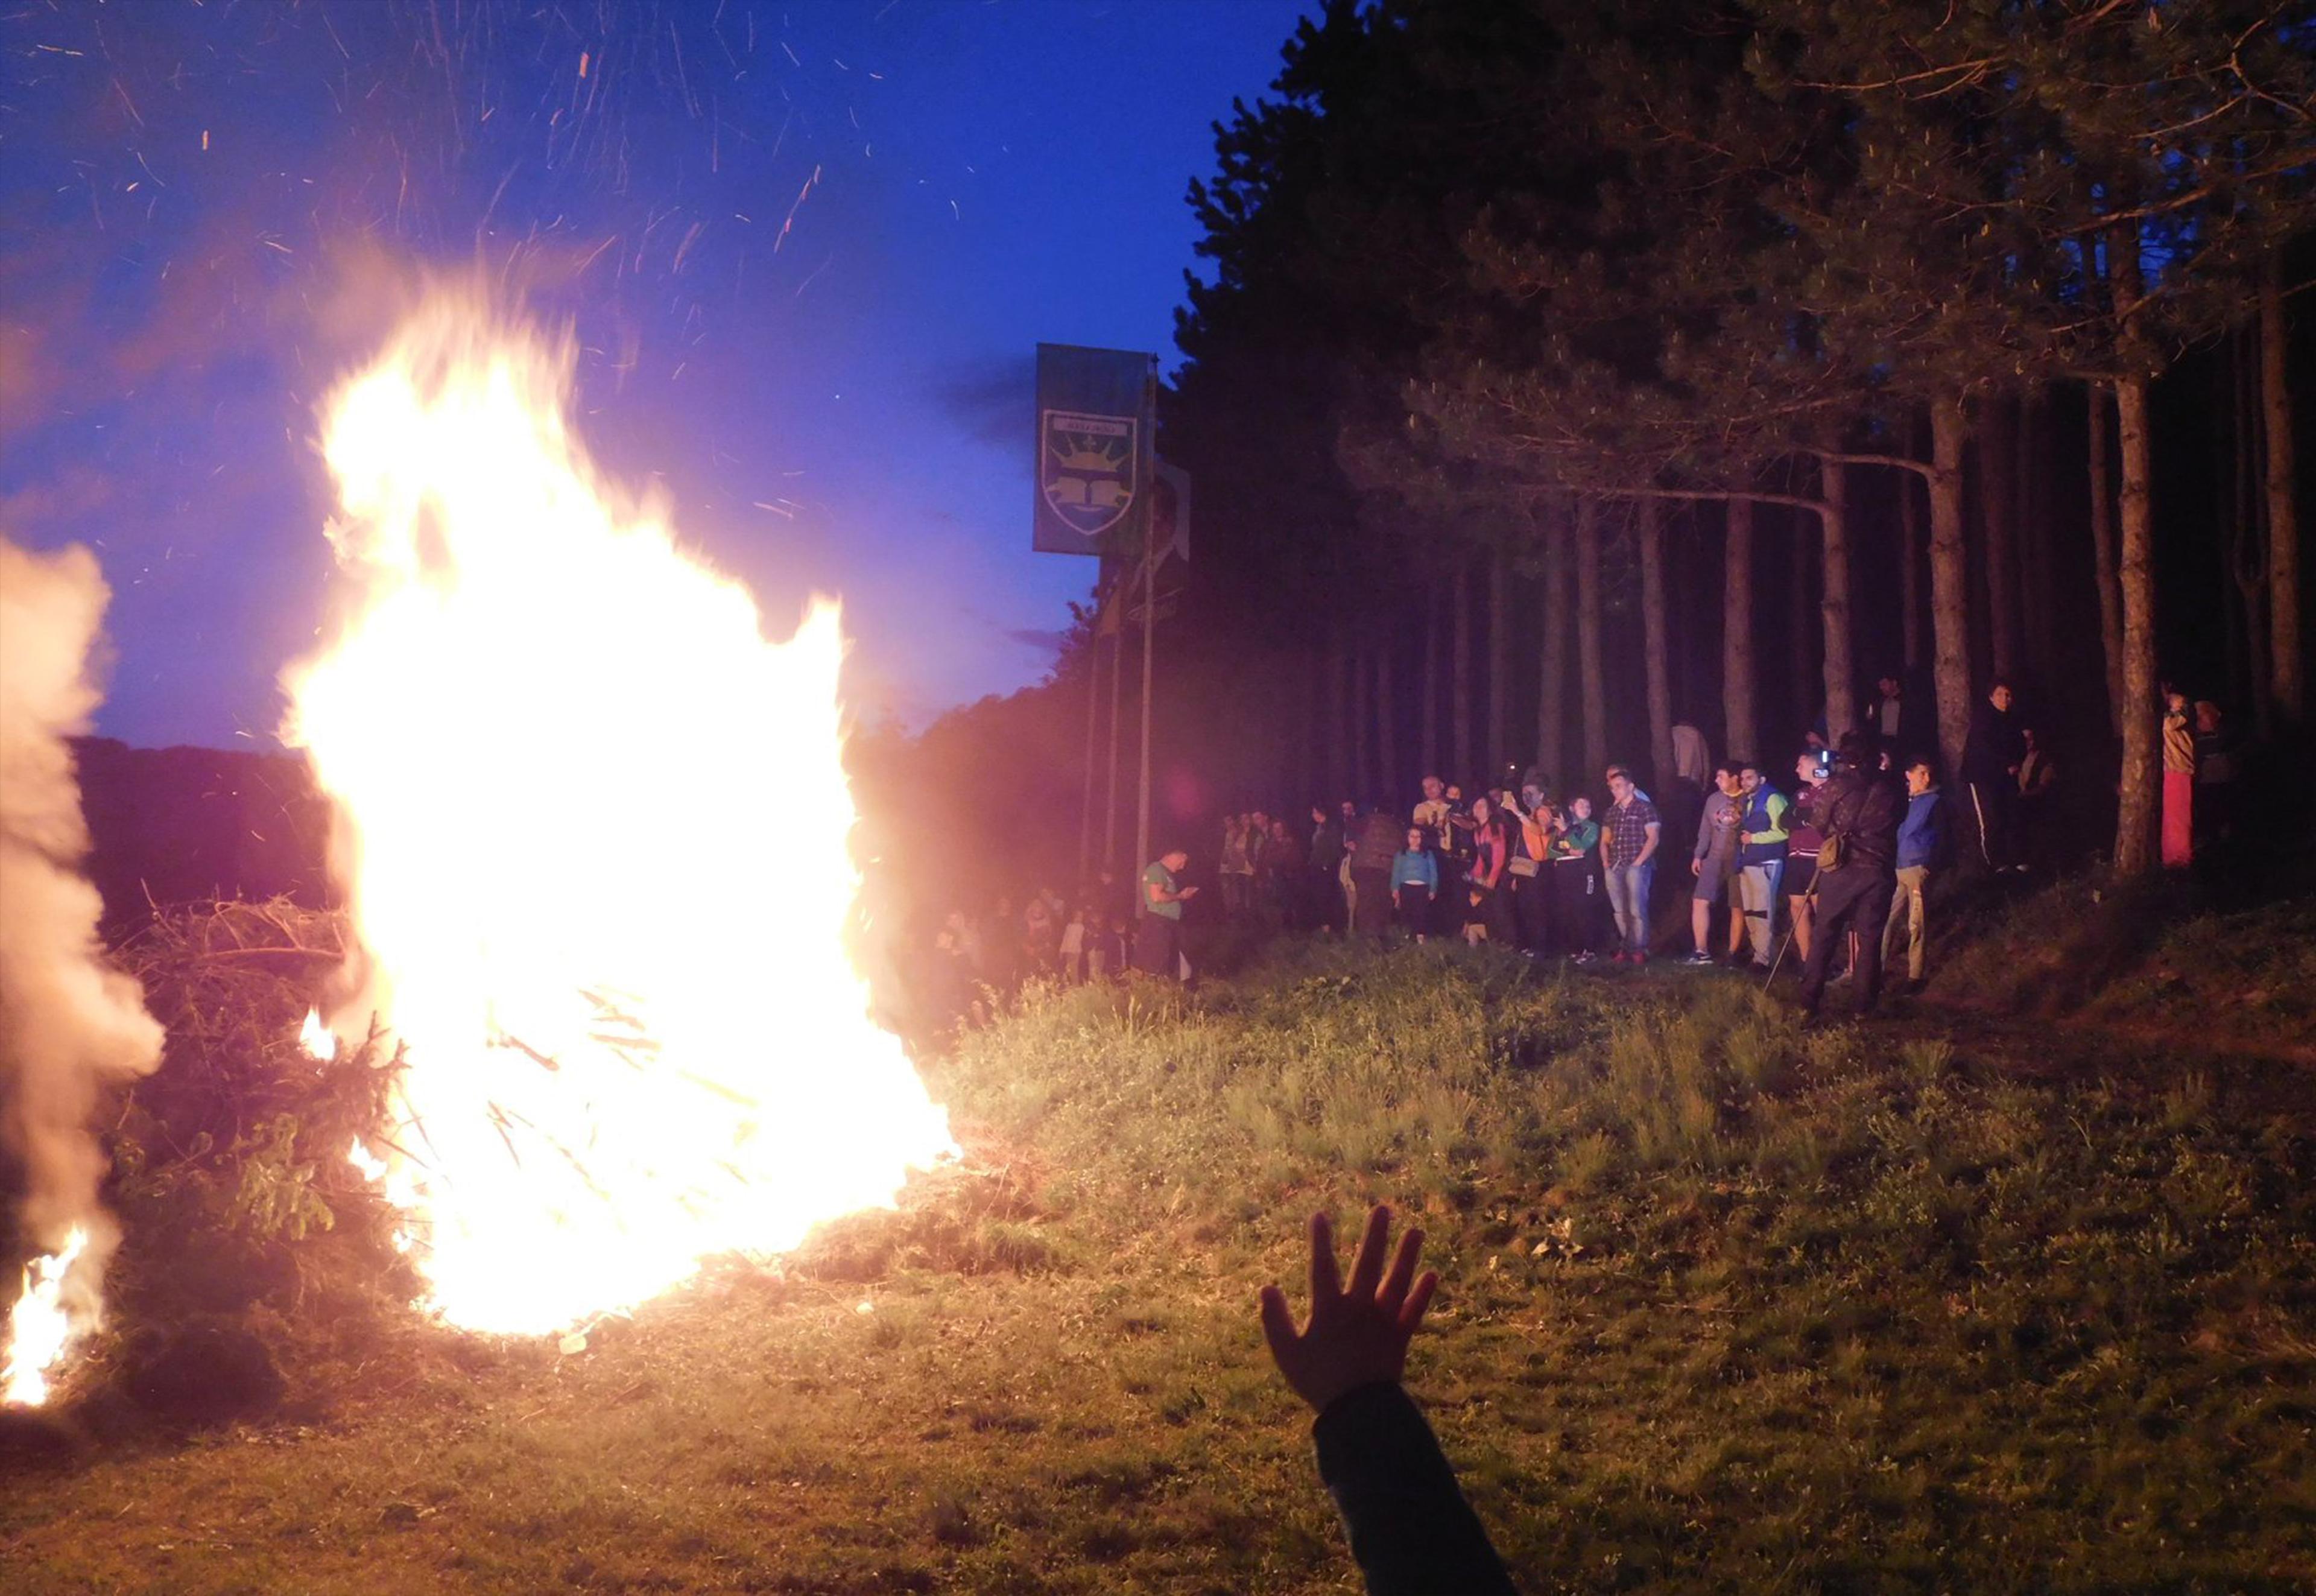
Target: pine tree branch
x,y
2176,201
1976,70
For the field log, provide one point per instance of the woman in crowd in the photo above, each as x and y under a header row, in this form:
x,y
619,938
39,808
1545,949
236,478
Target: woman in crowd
x,y
1489,914
1580,898
2179,781
1802,841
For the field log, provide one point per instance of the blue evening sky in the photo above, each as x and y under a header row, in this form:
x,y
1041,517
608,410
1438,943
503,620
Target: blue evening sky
x,y
808,246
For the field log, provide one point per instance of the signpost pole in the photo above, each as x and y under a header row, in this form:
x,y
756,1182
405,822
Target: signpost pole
x,y
1142,802
1149,628
1109,790
1093,718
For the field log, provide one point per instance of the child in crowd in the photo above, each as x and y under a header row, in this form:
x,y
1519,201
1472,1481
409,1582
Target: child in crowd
x,y
1579,898
1073,946
1414,882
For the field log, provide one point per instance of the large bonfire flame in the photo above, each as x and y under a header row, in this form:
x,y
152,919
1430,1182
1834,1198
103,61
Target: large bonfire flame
x,y
593,832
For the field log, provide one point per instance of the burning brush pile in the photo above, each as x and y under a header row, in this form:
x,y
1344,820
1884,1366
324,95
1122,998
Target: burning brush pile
x,y
589,1018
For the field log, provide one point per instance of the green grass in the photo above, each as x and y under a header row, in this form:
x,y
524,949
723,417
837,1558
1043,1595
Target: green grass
x,y
2138,959
1728,1305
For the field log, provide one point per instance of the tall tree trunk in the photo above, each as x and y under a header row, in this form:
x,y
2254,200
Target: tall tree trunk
x,y
1739,726
1997,452
1657,663
1363,778
1949,583
2246,558
1430,678
2103,552
1341,768
1909,568
1552,665
2031,539
2286,681
1593,685
1500,662
1840,677
1387,714
1459,709
1802,632
2134,832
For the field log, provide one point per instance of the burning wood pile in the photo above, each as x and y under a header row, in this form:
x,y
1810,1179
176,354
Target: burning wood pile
x,y
589,1018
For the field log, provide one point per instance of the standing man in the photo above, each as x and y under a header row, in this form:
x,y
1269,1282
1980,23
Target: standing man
x,y
1761,838
1158,945
1858,809
1629,838
1919,835
1990,768
1885,716
1713,860
1326,856
1374,844
1431,812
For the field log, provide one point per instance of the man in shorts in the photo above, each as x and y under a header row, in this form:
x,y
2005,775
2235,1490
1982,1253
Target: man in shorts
x,y
1714,862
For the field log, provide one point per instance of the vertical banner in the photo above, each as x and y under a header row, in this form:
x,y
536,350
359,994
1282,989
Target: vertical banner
x,y
1093,450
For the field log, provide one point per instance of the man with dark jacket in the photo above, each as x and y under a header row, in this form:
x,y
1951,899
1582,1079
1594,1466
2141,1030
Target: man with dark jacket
x,y
1990,769
1858,810
1375,843
1323,890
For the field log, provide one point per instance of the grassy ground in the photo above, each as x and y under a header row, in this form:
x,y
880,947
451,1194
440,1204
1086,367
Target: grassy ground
x,y
1728,1305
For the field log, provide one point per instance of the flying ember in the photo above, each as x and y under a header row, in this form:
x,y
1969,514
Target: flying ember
x,y
593,830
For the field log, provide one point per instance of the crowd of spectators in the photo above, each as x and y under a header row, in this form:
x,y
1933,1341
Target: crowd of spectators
x,y
1827,860
1824,864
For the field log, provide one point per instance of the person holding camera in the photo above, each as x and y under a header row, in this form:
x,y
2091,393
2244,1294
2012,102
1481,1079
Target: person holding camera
x,y
1858,809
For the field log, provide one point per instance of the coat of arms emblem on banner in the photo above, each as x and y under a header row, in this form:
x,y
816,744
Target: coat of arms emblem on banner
x,y
1087,474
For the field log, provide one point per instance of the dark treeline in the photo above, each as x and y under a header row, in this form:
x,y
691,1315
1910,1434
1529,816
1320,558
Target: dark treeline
x,y
1567,372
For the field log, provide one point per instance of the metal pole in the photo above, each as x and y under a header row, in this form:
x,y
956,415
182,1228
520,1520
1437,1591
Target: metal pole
x,y
1142,801
1149,625
1109,788
1093,718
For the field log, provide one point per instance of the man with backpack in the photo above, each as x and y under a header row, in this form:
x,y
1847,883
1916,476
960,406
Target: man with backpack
x,y
1858,809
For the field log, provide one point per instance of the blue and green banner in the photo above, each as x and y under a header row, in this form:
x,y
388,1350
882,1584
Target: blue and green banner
x,y
1093,450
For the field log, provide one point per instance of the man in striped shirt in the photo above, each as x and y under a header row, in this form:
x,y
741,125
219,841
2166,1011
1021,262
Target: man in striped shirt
x,y
1630,833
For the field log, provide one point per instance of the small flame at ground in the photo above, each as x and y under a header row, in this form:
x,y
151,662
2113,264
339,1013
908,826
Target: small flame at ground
x,y
594,836
40,1329
321,1043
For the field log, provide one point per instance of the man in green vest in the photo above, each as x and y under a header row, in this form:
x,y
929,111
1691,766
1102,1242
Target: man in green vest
x,y
1762,832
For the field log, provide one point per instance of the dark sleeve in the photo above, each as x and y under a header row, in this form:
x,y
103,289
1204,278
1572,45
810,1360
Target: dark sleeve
x,y
1412,1531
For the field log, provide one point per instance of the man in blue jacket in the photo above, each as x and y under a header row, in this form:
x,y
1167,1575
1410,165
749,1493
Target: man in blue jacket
x,y
1919,834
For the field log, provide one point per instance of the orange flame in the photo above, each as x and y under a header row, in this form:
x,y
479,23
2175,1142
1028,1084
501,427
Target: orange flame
x,y
40,1328
593,832
320,1043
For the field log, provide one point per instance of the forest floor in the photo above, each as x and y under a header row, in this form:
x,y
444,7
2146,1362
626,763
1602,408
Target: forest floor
x,y
2014,1290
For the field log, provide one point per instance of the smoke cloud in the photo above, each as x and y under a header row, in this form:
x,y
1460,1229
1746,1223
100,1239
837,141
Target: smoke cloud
x,y
69,1025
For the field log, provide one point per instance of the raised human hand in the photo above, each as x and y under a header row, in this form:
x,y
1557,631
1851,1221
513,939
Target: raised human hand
x,y
1358,1335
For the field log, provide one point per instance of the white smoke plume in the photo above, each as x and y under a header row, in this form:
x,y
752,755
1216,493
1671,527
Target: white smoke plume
x,y
70,1026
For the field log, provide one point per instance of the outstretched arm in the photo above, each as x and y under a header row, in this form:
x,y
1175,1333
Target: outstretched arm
x,y
1412,1531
